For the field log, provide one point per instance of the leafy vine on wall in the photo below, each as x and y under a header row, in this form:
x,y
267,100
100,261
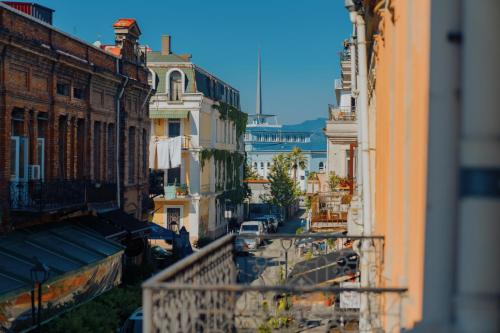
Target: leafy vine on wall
x,y
229,112
228,172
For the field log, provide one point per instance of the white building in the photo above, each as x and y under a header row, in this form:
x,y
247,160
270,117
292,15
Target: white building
x,y
265,138
341,127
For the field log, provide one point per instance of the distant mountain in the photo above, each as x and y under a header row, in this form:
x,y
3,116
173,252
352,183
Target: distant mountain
x,y
313,125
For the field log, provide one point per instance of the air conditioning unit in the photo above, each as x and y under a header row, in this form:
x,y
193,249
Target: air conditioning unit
x,y
34,172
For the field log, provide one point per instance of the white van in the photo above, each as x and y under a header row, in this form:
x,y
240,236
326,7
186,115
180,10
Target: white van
x,y
249,236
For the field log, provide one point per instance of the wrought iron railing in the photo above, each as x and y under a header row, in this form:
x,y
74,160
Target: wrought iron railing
x,y
342,113
46,195
172,191
101,192
285,283
345,55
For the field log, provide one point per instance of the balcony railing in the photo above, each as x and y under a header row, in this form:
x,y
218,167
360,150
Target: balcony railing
x,y
342,113
345,55
158,187
173,191
185,140
43,196
289,283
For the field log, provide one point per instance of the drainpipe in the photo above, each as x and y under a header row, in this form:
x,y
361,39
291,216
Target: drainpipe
x,y
362,103
354,94
118,108
364,163
352,49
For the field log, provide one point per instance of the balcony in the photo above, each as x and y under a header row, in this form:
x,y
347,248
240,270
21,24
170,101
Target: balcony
x,y
338,84
342,125
185,140
342,113
47,196
304,283
329,211
175,191
169,191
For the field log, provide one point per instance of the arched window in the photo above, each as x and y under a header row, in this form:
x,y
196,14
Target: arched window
x,y
175,85
255,165
321,166
262,165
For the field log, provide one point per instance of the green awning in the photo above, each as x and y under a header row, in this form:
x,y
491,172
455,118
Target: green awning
x,y
168,113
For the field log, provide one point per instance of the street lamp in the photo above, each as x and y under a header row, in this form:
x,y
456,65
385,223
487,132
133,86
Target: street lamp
x,y
174,227
39,275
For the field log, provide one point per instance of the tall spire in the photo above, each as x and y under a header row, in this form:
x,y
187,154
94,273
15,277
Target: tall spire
x,y
258,103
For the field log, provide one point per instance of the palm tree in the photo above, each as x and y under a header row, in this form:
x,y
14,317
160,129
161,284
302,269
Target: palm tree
x,y
297,160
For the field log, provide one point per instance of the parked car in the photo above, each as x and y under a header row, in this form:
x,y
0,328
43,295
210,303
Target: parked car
x,y
249,236
134,323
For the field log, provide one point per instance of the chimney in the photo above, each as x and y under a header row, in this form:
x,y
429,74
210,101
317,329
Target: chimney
x,y
165,45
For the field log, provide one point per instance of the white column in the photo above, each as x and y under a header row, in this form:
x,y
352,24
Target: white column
x,y
194,218
478,275
442,166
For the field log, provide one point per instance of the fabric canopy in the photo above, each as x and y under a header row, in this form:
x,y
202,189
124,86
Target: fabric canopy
x,y
158,232
168,113
126,221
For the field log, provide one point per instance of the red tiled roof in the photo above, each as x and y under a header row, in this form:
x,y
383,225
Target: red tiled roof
x,y
124,23
257,181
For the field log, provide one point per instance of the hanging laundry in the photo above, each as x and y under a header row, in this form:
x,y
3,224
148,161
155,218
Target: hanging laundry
x,y
175,150
152,153
163,154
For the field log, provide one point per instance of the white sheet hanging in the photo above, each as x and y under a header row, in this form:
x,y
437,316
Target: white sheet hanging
x,y
175,149
152,153
163,154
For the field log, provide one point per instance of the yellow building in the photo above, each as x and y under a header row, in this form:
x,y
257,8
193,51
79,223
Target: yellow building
x,y
196,150
398,111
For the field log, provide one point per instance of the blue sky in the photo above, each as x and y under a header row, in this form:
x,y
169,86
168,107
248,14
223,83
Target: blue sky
x,y
299,41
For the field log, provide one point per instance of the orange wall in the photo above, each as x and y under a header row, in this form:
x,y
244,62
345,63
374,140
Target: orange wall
x,y
401,53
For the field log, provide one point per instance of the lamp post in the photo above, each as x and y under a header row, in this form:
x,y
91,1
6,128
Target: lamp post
x,y
174,227
39,275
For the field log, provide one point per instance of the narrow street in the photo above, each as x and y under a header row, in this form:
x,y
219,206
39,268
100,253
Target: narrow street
x,y
265,267
262,267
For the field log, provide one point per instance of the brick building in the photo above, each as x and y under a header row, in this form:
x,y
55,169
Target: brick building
x,y
74,132
59,98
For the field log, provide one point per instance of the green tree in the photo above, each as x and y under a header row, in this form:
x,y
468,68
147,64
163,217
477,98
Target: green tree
x,y
296,160
334,181
312,175
283,189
